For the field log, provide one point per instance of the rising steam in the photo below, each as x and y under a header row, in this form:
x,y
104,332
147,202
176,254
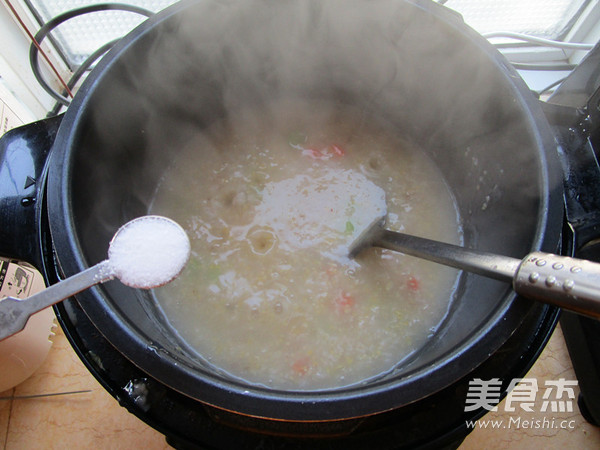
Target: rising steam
x,y
417,66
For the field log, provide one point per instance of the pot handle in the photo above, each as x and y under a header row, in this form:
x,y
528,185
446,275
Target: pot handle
x,y
23,154
581,171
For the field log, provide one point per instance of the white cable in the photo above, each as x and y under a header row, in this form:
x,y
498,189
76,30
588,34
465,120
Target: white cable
x,y
539,41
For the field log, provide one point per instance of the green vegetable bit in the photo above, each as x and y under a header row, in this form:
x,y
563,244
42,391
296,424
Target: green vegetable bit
x,y
349,227
297,138
212,272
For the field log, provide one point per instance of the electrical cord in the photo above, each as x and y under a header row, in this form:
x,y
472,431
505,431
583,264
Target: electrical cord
x,y
56,21
550,87
34,42
538,40
83,67
544,67
525,39
528,39
62,100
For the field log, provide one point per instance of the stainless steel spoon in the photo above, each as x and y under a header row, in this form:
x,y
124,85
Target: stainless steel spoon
x,y
15,312
569,283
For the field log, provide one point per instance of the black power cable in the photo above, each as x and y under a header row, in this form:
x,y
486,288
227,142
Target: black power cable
x,y
55,22
83,67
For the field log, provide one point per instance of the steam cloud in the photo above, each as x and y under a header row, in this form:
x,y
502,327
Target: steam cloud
x,y
417,66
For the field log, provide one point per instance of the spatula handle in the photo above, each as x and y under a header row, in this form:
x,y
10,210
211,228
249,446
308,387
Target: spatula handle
x,y
15,312
570,283
499,267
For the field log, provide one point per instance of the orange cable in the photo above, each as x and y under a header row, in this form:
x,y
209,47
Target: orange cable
x,y
38,46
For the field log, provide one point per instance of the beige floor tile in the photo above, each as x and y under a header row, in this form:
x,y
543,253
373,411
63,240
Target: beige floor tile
x,y
88,419
5,405
545,430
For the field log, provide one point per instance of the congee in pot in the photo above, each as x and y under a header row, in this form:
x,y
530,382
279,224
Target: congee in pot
x,y
271,197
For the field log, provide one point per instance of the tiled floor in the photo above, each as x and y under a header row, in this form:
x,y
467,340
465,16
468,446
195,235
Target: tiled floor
x,y
90,419
539,430
93,419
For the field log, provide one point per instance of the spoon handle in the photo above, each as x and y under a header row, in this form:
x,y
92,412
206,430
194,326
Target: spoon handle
x,y
570,283
501,268
15,312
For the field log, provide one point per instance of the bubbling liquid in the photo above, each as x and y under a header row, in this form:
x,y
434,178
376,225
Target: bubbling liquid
x,y
270,202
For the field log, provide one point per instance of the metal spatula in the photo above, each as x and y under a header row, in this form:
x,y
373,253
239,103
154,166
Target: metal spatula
x,y
569,283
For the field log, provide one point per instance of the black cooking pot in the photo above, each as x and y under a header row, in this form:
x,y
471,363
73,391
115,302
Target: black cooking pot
x,y
412,62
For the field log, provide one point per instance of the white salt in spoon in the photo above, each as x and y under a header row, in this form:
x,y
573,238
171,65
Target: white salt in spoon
x,y
145,253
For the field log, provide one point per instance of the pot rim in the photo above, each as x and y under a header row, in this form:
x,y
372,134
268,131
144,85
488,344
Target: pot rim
x,y
342,403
